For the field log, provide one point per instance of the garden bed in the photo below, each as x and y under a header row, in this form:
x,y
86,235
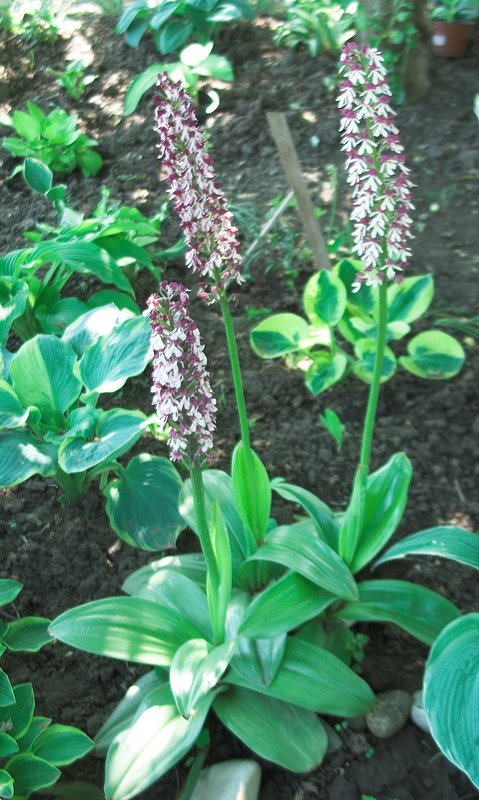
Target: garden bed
x,y
68,554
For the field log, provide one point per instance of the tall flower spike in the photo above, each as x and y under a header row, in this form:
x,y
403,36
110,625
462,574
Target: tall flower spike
x,y
181,384
212,249
381,189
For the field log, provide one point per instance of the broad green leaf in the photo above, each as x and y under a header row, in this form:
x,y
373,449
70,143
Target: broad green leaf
x,y
420,611
368,329
88,328
311,677
445,541
191,565
283,606
23,456
128,628
8,746
365,351
6,692
26,126
324,519
265,725
312,558
218,591
195,53
142,503
362,302
76,790
196,669
174,34
126,710
325,371
61,745
139,86
13,301
30,773
42,374
451,693
384,504
410,299
129,14
285,333
15,719
27,635
216,67
251,489
434,355
107,363
38,725
9,590
163,13
56,318
37,175
83,257
90,163
154,743
6,784
120,300
173,590
116,431
324,298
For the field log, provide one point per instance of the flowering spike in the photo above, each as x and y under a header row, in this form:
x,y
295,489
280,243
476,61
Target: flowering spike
x,y
181,384
381,188
212,249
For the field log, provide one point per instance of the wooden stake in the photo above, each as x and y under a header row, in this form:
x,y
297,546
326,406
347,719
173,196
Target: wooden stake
x,y
292,168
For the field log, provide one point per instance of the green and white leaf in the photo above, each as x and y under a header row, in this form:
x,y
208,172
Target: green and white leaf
x,y
107,363
410,299
324,298
325,371
365,351
285,333
434,355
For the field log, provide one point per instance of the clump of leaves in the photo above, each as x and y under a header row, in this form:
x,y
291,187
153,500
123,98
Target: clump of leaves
x,y
53,138
74,78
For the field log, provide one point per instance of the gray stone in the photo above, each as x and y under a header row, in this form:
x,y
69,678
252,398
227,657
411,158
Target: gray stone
x,y
238,779
418,715
390,713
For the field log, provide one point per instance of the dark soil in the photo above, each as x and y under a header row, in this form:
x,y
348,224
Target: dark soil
x,y
67,554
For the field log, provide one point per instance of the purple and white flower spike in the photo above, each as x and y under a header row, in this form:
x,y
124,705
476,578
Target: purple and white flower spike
x,y
181,384
381,189
212,249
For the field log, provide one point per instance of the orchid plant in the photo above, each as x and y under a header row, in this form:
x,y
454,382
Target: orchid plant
x,y
257,626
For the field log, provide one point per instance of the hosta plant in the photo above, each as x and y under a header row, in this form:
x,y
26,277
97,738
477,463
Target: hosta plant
x,y
257,627
338,338
31,748
53,138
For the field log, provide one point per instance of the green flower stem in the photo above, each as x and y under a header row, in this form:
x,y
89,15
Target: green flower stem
x,y
371,409
194,774
235,370
202,524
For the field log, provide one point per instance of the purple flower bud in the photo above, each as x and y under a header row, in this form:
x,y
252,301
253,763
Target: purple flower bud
x,y
181,384
212,249
375,165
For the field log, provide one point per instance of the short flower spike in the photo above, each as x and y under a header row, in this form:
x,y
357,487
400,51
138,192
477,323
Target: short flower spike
x,y
212,249
181,384
381,188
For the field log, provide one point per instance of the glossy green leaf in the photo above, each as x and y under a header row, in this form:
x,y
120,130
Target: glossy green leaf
x,y
127,709
8,746
83,257
285,333
216,67
283,606
362,302
107,363
368,329
6,692
365,351
195,670
56,318
116,431
434,355
61,745
174,34
384,504
120,300
325,371
419,611
154,743
27,635
6,784
445,541
13,301
451,693
309,556
251,489
31,773
93,324
139,86
37,175
23,456
42,374
128,628
142,503
265,725
76,790
410,299
9,590
15,719
38,725
219,591
324,519
324,298
173,590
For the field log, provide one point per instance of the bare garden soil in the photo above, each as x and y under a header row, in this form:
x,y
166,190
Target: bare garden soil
x,y
67,554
